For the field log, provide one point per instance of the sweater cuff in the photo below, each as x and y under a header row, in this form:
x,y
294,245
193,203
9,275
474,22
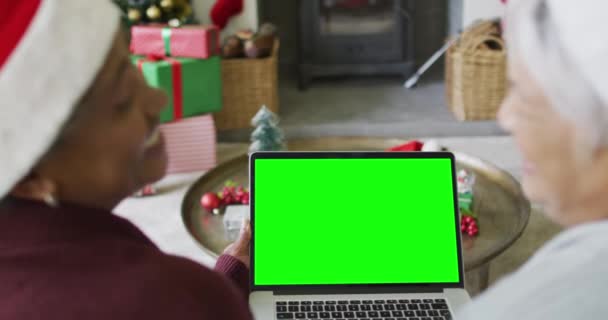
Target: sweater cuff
x,y
236,270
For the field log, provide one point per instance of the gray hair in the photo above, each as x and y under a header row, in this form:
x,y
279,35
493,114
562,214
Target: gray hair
x,y
534,37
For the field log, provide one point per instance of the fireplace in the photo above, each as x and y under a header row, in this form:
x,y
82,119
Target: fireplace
x,y
354,37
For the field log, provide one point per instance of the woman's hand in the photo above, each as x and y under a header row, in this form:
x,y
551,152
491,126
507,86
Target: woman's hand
x,y
240,248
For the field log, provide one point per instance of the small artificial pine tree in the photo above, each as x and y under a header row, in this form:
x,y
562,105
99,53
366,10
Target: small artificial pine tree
x,y
267,135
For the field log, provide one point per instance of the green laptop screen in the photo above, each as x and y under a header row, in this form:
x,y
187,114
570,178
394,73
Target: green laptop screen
x,y
354,221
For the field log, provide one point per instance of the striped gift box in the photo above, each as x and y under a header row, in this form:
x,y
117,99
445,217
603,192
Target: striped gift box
x,y
191,41
191,144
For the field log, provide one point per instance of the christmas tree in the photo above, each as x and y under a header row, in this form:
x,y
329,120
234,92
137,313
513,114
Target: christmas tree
x,y
173,12
267,135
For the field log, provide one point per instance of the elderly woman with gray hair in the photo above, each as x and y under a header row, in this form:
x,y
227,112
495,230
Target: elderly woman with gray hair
x,y
557,112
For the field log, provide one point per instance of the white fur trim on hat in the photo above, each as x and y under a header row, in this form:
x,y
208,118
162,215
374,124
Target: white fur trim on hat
x,y
54,64
560,44
580,27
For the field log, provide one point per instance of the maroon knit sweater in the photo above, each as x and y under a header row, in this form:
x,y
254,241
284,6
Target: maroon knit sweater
x,y
79,263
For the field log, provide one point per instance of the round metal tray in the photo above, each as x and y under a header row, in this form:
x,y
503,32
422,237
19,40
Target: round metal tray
x,y
502,209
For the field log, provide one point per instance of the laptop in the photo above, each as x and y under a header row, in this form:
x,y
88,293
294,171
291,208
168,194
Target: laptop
x,y
355,235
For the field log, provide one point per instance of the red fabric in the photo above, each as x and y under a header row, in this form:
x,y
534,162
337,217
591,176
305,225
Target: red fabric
x,y
15,18
223,10
410,146
191,144
199,42
73,262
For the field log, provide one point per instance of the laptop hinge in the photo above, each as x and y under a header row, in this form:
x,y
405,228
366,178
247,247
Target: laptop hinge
x,y
356,290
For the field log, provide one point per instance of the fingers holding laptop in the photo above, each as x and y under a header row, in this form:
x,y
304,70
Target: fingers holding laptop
x,y
240,248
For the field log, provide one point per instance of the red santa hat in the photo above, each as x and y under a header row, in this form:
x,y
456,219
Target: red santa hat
x,y
50,53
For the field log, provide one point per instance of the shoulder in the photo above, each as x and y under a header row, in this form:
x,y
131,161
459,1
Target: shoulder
x,y
118,281
561,282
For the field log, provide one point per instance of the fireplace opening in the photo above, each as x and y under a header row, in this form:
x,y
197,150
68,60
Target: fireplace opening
x,y
355,37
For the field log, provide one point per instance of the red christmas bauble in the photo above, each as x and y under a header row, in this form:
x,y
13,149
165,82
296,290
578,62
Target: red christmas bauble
x,y
230,190
245,198
239,194
472,230
468,225
210,201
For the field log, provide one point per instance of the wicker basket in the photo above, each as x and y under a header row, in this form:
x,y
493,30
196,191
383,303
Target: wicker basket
x,y
476,78
247,85
481,28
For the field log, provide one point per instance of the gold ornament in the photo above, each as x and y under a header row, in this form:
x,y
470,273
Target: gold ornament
x,y
186,12
153,13
134,15
167,5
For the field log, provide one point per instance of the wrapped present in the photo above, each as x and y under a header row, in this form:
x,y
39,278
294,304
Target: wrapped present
x,y
199,41
190,144
233,220
465,181
194,86
465,201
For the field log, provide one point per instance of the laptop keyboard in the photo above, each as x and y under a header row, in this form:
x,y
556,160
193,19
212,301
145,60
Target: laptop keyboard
x,y
416,309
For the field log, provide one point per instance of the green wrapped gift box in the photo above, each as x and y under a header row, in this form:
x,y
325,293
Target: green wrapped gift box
x,y
194,86
465,201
